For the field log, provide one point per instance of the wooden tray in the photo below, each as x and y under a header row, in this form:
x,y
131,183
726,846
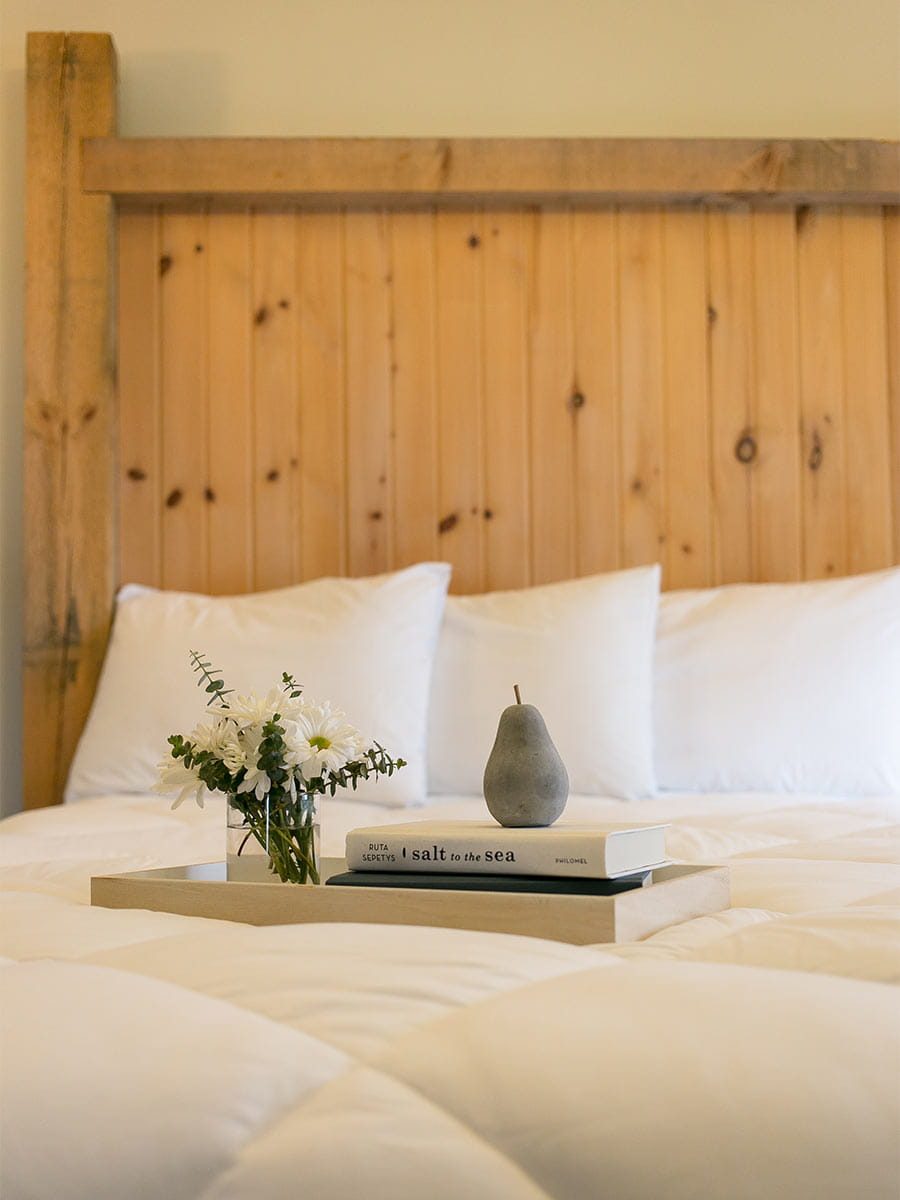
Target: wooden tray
x,y
676,894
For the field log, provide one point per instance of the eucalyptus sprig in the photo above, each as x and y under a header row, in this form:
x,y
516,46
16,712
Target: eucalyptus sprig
x,y
375,761
209,769
291,686
208,676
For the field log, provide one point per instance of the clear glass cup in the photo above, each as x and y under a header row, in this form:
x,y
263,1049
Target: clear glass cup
x,y
273,838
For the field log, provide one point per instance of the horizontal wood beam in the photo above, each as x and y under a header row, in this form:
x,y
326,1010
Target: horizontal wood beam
x,y
385,170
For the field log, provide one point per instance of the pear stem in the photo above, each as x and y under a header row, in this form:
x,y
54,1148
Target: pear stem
x,y
518,694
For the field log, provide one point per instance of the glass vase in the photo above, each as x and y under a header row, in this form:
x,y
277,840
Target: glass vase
x,y
273,838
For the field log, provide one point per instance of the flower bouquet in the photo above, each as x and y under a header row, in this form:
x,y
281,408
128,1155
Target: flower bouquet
x,y
271,756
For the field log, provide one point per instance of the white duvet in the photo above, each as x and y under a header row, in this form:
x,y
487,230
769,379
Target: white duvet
x,y
755,1053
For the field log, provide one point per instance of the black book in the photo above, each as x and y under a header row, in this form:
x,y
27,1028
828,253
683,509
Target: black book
x,y
445,881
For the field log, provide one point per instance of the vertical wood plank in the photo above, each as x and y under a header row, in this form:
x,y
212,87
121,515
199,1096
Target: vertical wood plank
x,y
688,547
368,384
822,392
69,450
416,511
775,477
274,400
229,491
641,385
458,240
140,452
731,390
551,388
183,385
892,294
320,333
507,525
594,404
866,411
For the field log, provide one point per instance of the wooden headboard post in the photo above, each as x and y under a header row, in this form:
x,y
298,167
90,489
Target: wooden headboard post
x,y
70,479
533,358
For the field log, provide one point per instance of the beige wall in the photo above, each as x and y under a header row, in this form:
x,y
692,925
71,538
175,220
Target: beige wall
x,y
803,68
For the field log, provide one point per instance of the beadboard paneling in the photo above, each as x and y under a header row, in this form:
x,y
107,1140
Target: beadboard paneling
x,y
528,393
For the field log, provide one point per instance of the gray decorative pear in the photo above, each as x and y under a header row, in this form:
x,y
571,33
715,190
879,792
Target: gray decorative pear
x,y
525,780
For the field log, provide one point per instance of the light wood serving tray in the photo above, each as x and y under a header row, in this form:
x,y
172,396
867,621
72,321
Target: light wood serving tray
x,y
676,894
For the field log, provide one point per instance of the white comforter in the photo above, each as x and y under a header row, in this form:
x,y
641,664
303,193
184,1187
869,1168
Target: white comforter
x,y
751,1054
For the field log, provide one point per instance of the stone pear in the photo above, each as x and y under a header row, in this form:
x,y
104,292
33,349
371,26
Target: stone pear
x,y
525,780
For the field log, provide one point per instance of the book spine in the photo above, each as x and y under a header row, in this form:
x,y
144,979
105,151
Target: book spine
x,y
377,850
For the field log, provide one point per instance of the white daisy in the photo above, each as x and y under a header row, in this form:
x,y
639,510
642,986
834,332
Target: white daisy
x,y
251,710
174,774
320,741
255,780
221,738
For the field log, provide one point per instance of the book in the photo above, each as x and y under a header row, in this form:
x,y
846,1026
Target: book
x,y
484,847
445,881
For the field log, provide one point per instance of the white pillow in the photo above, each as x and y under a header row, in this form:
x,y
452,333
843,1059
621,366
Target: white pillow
x,y
781,687
582,652
365,644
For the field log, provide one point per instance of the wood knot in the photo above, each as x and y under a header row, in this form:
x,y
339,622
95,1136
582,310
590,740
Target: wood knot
x,y
208,494
764,170
261,315
488,514
198,249
272,475
816,452
447,523
687,548
136,473
165,263
637,486
72,635
802,214
577,400
284,303
445,162
174,497
746,449
89,413
712,314
376,514
474,241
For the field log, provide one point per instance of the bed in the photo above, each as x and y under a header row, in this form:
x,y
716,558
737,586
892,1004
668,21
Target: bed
x,y
749,1054
535,361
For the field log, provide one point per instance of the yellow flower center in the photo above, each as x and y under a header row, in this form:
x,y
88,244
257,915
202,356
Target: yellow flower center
x,y
319,743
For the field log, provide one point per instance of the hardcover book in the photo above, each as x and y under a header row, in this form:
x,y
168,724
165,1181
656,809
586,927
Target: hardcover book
x,y
483,847
444,881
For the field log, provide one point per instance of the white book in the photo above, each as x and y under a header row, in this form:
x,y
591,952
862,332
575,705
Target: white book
x,y
484,847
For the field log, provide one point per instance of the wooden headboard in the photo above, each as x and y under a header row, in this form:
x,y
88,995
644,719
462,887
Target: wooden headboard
x,y
256,361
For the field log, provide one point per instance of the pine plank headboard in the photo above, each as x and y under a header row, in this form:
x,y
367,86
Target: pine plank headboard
x,y
255,361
